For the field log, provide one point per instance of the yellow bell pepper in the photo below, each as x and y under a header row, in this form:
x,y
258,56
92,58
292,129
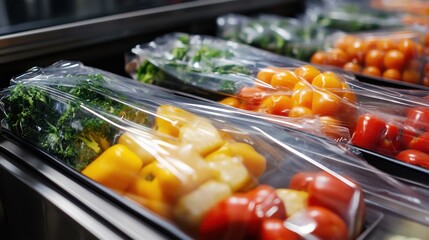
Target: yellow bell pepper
x,y
116,168
129,141
178,171
155,182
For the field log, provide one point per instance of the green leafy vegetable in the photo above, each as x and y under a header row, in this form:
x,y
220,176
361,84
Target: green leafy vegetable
x,y
45,116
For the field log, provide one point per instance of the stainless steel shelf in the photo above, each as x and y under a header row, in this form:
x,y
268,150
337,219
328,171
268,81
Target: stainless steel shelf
x,y
52,205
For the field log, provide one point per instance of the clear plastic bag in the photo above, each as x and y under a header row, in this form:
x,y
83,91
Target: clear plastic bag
x,y
286,36
276,93
239,76
351,16
194,165
392,55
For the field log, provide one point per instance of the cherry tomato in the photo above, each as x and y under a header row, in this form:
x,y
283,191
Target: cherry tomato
x,y
414,157
371,70
408,48
356,51
385,45
274,229
325,103
418,118
407,135
414,65
328,225
231,101
319,58
352,67
337,57
368,131
251,97
266,74
285,79
300,180
344,42
302,95
327,191
394,59
390,142
374,58
371,43
307,72
332,193
328,81
241,215
411,76
420,143
393,74
277,104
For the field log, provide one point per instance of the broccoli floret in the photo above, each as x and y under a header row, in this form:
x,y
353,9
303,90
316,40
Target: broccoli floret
x,y
58,124
25,106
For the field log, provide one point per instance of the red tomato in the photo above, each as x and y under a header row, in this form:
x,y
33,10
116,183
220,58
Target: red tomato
x,y
390,143
420,143
414,157
251,97
328,225
274,229
408,134
330,192
325,190
241,215
301,180
368,131
418,118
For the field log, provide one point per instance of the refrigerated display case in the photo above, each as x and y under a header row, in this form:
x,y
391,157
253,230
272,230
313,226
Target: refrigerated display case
x,y
43,195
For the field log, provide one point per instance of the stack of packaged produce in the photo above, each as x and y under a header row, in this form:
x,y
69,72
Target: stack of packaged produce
x,y
207,170
375,43
285,91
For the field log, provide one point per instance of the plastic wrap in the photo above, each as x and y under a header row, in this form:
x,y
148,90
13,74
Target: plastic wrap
x,y
214,176
412,6
395,55
239,76
350,16
280,94
285,36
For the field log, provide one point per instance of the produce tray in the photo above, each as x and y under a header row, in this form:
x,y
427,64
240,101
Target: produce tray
x,y
169,231
388,83
403,171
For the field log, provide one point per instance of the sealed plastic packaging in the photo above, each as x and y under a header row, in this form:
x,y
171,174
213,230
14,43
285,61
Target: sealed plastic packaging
x,y
285,36
244,177
240,76
352,17
412,6
394,55
281,94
